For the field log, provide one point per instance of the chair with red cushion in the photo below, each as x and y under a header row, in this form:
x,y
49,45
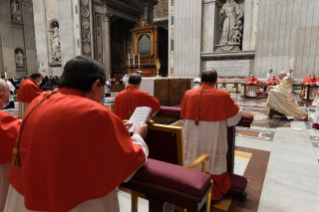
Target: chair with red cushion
x,y
163,182
165,144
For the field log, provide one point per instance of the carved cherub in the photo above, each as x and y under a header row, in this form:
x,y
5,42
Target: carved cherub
x,y
236,33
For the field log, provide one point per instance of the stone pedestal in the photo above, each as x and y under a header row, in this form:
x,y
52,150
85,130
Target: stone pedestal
x,y
107,43
228,47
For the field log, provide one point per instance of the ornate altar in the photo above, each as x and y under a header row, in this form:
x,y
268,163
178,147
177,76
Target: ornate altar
x,y
149,50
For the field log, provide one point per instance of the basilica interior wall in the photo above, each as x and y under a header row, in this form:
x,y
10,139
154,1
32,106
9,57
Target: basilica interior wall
x,y
17,35
287,37
187,37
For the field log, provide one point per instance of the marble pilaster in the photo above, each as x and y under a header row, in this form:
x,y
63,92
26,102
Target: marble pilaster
x,y
107,43
67,32
187,38
247,25
40,29
209,26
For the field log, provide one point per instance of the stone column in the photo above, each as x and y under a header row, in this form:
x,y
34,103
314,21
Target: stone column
x,y
107,43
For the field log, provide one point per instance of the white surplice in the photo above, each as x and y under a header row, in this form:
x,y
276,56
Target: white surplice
x,y
269,76
251,90
4,184
281,99
209,137
22,107
312,95
108,203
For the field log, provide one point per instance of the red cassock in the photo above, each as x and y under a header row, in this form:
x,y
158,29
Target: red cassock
x,y
72,150
309,80
9,128
129,99
270,80
305,80
249,80
214,105
28,90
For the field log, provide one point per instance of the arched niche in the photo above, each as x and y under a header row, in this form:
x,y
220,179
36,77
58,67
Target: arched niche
x,y
19,55
144,44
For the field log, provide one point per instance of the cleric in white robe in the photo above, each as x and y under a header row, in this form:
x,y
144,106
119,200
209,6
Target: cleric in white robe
x,y
281,98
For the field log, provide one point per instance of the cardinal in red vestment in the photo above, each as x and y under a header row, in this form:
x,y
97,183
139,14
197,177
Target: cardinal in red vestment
x,y
129,99
73,152
313,80
28,91
207,112
273,80
252,90
9,128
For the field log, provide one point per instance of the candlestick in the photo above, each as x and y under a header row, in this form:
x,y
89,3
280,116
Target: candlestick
x,y
133,59
5,75
129,59
139,60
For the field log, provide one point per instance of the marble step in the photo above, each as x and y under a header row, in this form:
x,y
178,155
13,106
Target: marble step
x,y
291,182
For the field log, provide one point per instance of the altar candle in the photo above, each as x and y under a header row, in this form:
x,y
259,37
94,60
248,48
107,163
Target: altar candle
x,y
5,75
133,59
139,61
129,59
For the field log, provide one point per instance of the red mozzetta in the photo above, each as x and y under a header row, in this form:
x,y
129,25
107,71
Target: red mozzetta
x,y
28,91
127,100
9,128
72,149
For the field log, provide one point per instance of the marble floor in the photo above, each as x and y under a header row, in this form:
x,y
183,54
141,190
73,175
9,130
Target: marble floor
x,y
279,157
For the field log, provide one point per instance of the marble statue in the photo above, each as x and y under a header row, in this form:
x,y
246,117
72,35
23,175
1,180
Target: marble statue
x,y
19,60
55,44
15,12
232,26
236,33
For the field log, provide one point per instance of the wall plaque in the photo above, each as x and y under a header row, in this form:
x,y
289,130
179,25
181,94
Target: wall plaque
x,y
230,68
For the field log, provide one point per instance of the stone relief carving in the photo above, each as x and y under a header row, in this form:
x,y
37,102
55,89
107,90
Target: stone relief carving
x,y
19,58
232,26
86,28
15,10
55,44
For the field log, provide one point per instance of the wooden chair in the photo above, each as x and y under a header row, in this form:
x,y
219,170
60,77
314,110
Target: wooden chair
x,y
165,144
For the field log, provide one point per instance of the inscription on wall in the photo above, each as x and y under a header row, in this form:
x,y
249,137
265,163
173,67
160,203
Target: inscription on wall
x,y
230,68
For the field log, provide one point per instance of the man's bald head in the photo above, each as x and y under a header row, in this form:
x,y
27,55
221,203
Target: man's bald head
x,y
273,77
209,76
252,76
4,92
282,75
308,75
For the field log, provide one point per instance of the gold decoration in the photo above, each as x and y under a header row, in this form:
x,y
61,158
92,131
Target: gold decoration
x,y
143,22
172,73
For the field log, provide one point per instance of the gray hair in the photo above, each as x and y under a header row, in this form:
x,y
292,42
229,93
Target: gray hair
x,y
283,73
3,86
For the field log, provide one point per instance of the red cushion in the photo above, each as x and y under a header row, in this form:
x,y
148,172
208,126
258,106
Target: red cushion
x,y
175,177
246,117
170,109
238,182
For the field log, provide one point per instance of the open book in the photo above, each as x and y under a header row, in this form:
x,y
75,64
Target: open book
x,y
140,115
